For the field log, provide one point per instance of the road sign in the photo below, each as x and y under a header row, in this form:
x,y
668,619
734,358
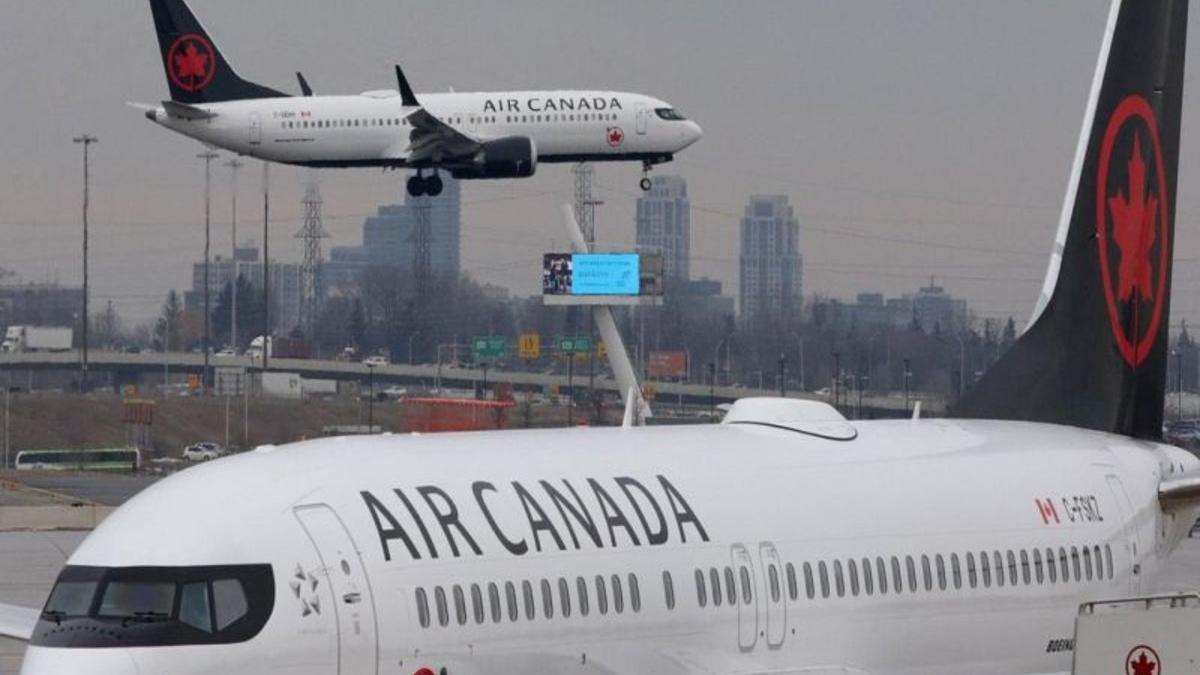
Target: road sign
x,y
488,347
193,381
601,350
575,345
530,346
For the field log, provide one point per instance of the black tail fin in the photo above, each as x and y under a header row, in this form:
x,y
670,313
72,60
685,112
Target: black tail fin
x,y
196,70
1095,355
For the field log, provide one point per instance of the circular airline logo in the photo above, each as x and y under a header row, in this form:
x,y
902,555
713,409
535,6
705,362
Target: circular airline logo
x,y
1131,227
615,136
191,62
1142,660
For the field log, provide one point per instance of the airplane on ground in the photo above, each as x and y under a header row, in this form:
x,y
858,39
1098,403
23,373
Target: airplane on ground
x,y
785,540
469,135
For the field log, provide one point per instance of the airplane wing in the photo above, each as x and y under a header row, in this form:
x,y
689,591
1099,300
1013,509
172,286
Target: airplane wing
x,y
1179,493
432,140
17,622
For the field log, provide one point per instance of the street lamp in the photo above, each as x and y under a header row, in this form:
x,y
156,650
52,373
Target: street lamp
x,y
712,391
1178,385
208,156
907,375
8,392
837,375
782,375
86,141
371,398
234,164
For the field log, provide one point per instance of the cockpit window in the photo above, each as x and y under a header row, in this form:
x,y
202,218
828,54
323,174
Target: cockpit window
x,y
670,114
152,606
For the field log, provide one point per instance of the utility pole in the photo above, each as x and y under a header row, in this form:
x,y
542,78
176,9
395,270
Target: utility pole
x,y
86,141
234,164
8,389
837,376
712,391
782,375
907,375
208,156
311,234
1178,385
266,274
371,401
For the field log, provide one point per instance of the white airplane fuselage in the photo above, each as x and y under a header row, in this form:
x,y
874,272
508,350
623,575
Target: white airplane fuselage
x,y
399,541
372,129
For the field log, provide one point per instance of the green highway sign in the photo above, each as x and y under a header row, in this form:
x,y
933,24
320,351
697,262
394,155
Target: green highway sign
x,y
575,345
488,347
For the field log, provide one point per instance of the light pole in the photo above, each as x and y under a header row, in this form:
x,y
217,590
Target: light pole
x,y
234,164
907,375
712,391
483,390
782,375
8,390
1178,385
371,399
208,156
837,376
266,289
86,141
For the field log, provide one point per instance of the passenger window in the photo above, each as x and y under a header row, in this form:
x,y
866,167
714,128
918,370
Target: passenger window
x,y
911,566
868,582
564,596
881,574
986,569
1075,564
999,560
730,587
1087,563
926,573
714,578
1099,562
1108,560
747,589
617,597
823,573
793,589
460,605
939,564
852,573
701,589
601,596
1063,565
1051,568
669,589
839,578
809,588
773,581
194,610
955,571
582,587
527,596
510,594
422,608
494,601
477,603
972,573
443,615
1012,569
897,578
547,599
229,599
635,593
1037,566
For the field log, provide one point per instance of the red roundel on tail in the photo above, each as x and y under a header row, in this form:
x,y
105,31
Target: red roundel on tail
x,y
191,62
1131,227
1143,660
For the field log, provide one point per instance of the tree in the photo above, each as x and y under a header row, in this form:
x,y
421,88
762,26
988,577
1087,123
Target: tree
x,y
1010,334
167,332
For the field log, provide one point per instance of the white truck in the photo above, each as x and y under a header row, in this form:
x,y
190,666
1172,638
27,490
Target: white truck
x,y
37,339
1140,636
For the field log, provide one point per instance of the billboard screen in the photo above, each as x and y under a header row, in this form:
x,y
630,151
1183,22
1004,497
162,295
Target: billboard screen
x,y
668,365
601,278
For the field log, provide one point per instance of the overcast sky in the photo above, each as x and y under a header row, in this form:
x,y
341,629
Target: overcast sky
x,y
914,138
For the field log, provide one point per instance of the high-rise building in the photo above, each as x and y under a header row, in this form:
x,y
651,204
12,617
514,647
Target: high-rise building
x,y
389,236
285,279
664,225
770,264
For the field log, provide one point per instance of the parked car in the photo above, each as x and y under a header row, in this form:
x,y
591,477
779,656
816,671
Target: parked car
x,y
227,353
395,392
376,360
200,452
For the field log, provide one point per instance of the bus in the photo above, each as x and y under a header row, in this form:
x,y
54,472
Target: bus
x,y
116,460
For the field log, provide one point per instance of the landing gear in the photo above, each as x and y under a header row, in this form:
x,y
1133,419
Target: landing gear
x,y
645,182
419,185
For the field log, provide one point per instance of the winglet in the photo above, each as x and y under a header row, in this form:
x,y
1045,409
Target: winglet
x,y
304,88
407,97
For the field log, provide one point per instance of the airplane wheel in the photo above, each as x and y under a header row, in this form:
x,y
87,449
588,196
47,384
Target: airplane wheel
x,y
645,185
416,186
433,185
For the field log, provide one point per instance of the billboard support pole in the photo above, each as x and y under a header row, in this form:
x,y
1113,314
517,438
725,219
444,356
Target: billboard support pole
x,y
618,358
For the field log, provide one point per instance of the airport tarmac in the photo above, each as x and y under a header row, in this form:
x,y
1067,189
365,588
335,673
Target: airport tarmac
x,y
29,562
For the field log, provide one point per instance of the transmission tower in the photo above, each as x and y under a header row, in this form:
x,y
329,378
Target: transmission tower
x,y
585,205
312,233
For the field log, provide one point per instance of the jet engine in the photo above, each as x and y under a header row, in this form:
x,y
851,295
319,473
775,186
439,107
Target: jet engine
x,y
510,157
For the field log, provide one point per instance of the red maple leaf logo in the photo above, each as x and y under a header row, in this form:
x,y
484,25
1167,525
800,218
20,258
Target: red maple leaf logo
x,y
191,63
1143,665
615,136
1133,230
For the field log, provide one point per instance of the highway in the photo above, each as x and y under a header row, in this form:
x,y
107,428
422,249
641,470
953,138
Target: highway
x,y
153,363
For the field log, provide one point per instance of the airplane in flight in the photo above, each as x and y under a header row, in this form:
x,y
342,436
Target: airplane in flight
x,y
469,135
785,540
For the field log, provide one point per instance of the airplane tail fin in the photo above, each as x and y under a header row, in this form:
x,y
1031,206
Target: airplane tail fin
x,y
1095,354
196,70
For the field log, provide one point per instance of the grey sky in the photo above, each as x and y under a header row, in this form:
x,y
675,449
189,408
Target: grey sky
x,y
948,122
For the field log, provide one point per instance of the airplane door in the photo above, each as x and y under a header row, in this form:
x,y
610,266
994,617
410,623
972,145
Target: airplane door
x,y
643,116
343,571
1127,544
255,129
774,595
747,599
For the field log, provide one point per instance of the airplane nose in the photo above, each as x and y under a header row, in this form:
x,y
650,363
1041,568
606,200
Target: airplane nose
x,y
691,133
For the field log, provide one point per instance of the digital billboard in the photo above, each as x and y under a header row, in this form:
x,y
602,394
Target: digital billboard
x,y
601,278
